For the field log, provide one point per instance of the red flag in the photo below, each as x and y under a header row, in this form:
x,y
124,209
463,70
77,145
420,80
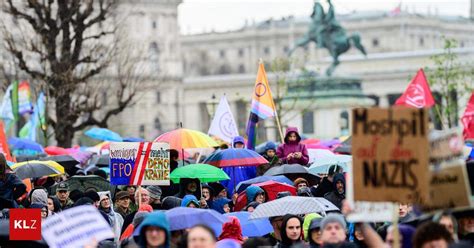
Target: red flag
x,y
418,93
3,143
468,119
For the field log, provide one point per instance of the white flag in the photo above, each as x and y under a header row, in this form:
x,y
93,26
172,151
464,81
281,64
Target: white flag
x,y
223,125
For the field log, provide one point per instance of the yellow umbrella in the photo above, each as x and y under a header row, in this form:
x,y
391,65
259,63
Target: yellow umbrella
x,y
183,138
35,168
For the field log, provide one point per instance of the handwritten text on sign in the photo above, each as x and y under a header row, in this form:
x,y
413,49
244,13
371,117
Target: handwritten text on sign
x,y
390,154
134,163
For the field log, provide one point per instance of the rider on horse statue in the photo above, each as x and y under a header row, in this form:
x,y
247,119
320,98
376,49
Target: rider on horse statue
x,y
327,33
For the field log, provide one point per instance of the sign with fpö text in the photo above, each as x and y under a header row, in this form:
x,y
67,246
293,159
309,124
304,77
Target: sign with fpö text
x,y
139,163
390,154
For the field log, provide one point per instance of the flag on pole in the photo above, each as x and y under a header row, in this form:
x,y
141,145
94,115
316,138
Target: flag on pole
x,y
262,106
223,125
418,93
468,119
6,111
24,98
14,98
3,143
28,131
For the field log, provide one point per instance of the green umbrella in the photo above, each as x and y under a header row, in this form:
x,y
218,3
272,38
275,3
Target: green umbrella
x,y
204,172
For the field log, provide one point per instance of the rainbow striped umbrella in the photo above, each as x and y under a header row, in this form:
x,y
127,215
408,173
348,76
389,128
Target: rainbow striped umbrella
x,y
235,157
183,138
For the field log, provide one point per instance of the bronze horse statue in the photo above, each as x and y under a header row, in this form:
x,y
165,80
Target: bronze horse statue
x,y
327,33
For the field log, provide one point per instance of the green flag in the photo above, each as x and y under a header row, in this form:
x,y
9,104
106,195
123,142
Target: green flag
x,y
14,98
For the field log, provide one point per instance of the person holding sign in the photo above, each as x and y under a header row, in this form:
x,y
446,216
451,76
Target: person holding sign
x,y
292,151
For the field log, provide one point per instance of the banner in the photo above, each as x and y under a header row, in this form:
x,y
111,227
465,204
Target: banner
x,y
3,143
390,154
223,125
75,227
139,163
24,98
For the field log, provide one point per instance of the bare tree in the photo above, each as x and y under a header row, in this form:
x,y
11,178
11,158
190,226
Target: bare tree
x,y
69,46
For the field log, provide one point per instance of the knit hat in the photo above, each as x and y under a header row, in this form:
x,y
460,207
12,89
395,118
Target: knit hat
x,y
154,191
331,218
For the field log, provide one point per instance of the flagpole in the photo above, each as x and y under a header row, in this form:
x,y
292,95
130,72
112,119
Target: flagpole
x,y
276,114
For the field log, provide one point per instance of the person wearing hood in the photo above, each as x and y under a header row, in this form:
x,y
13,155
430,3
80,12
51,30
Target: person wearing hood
x,y
221,205
115,219
292,151
238,142
189,186
291,232
339,191
207,198
232,230
255,194
190,201
238,173
154,231
43,207
38,195
314,233
11,187
53,205
271,157
326,184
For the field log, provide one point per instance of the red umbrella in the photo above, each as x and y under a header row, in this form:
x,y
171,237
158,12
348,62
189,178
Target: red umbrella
x,y
310,141
55,150
271,188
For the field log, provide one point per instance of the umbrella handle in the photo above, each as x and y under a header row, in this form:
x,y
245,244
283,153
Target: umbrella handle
x,y
139,196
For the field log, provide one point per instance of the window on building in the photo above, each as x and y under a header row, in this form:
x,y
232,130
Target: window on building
x,y
266,50
344,123
141,131
241,68
222,53
375,42
158,97
224,69
421,41
153,24
285,49
241,52
461,44
308,122
157,124
242,115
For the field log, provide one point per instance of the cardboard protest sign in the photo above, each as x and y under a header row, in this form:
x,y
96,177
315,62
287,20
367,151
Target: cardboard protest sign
x,y
449,187
390,154
139,163
446,145
75,227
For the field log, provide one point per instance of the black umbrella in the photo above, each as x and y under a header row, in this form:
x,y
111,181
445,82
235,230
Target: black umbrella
x,y
23,158
345,147
100,160
293,171
69,163
84,183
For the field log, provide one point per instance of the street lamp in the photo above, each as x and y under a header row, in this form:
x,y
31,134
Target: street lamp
x,y
211,106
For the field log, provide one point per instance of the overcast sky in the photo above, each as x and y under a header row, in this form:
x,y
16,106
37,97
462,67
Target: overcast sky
x,y
196,16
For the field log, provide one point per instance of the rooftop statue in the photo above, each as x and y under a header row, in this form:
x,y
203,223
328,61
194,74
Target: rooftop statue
x,y
327,33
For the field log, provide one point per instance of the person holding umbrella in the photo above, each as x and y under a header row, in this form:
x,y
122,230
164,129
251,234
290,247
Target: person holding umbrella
x,y
11,187
292,151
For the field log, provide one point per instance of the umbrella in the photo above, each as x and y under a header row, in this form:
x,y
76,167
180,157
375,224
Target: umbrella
x,y
103,134
83,183
69,163
296,205
315,154
35,168
330,143
25,144
56,150
321,165
293,171
133,139
244,184
271,189
181,218
22,158
252,228
204,172
310,141
183,138
235,157
317,146
345,147
100,160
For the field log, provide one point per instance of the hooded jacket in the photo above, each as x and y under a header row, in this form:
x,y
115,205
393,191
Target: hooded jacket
x,y
251,192
188,199
232,230
183,183
11,189
219,203
285,240
115,219
238,139
170,202
334,196
292,147
155,219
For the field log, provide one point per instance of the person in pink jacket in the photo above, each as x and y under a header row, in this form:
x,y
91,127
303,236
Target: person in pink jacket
x,y
292,151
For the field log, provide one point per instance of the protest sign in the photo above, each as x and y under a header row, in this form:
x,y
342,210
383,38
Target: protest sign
x,y
449,187
446,145
139,163
390,154
75,227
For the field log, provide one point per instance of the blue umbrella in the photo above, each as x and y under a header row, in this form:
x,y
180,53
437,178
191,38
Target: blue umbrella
x,y
181,218
321,165
244,184
103,134
133,139
252,228
25,145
